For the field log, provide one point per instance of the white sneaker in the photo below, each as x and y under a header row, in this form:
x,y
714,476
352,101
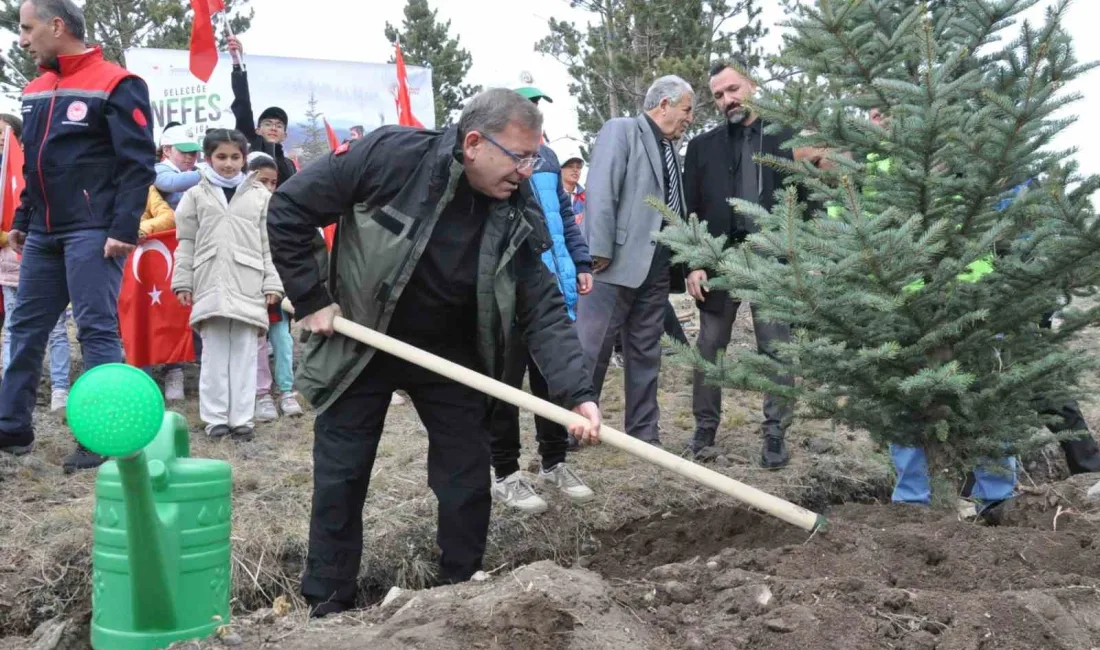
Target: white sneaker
x,y
519,494
565,479
265,409
173,385
289,405
59,399
397,400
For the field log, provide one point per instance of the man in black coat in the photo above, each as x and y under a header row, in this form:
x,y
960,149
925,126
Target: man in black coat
x,y
719,165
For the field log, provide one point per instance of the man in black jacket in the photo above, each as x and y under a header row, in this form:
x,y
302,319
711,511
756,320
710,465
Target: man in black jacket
x,y
440,245
269,132
719,165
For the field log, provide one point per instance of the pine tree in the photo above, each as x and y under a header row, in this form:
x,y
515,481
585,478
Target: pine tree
x,y
315,141
118,25
900,327
425,41
631,42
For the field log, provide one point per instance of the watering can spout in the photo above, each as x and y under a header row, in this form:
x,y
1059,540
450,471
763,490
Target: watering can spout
x,y
150,574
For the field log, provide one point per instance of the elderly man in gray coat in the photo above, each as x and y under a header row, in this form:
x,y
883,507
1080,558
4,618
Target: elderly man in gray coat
x,y
634,158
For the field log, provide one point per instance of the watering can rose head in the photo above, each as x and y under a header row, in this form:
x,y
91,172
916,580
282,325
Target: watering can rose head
x,y
115,409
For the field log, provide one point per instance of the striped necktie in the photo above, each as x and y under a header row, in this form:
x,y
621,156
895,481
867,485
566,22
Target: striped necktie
x,y
672,193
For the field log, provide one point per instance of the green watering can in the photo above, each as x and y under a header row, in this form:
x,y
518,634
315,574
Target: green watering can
x,y
161,555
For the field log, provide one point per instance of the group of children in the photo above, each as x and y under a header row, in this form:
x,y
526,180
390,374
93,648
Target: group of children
x,y
223,267
224,273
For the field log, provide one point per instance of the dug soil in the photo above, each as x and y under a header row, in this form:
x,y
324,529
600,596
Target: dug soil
x,y
880,576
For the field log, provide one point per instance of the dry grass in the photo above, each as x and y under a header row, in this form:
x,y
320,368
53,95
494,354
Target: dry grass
x,y
45,516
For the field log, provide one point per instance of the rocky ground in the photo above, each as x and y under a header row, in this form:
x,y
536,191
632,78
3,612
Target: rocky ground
x,y
654,562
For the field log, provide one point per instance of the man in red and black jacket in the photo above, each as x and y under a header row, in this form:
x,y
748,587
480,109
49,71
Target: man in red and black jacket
x,y
89,164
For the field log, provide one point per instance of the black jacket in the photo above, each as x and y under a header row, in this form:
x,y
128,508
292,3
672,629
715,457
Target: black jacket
x,y
246,124
387,191
710,182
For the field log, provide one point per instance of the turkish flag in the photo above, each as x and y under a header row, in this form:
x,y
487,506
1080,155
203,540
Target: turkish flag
x,y
333,144
155,326
215,6
12,173
204,51
333,141
405,115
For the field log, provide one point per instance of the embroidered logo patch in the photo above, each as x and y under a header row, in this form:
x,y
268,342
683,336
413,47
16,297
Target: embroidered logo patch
x,y
141,121
77,111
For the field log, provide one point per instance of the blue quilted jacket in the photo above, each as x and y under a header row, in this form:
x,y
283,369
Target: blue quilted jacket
x,y
569,254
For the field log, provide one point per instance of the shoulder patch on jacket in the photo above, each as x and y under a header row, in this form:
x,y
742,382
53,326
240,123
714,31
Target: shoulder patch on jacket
x,y
139,118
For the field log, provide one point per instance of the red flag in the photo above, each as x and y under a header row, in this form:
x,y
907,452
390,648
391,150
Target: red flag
x,y
204,51
12,173
333,141
405,115
154,325
216,6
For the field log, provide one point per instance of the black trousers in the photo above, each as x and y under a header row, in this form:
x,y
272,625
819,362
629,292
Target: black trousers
x,y
553,439
344,448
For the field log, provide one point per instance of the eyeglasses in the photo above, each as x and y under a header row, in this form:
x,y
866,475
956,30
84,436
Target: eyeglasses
x,y
522,164
273,124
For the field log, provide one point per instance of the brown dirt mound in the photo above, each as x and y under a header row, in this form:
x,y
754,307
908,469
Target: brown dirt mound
x,y
880,577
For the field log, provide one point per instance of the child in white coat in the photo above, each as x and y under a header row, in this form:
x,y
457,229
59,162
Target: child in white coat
x,y
224,272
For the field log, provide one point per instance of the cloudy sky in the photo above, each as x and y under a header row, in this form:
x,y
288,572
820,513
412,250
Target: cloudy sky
x,y
500,34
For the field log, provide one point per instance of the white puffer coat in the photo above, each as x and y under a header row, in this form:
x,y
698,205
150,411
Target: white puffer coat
x,y
223,257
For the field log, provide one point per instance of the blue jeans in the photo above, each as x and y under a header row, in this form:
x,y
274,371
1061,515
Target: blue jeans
x,y
59,343
993,481
57,268
282,344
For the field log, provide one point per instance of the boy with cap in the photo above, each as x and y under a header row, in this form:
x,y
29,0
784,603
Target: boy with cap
x,y
569,262
267,134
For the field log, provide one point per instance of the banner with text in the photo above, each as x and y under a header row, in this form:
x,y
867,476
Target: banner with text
x,y
345,93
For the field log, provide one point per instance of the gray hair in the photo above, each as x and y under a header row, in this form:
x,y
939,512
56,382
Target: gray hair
x,y
491,111
670,86
70,14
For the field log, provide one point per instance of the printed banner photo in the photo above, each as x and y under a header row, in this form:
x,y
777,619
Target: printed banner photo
x,y
346,93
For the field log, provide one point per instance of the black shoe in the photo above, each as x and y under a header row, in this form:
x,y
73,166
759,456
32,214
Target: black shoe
x,y
700,441
321,609
218,431
1082,454
17,445
992,513
82,459
242,433
775,453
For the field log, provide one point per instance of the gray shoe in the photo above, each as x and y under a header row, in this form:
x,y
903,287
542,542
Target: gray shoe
x,y
565,479
516,492
265,409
